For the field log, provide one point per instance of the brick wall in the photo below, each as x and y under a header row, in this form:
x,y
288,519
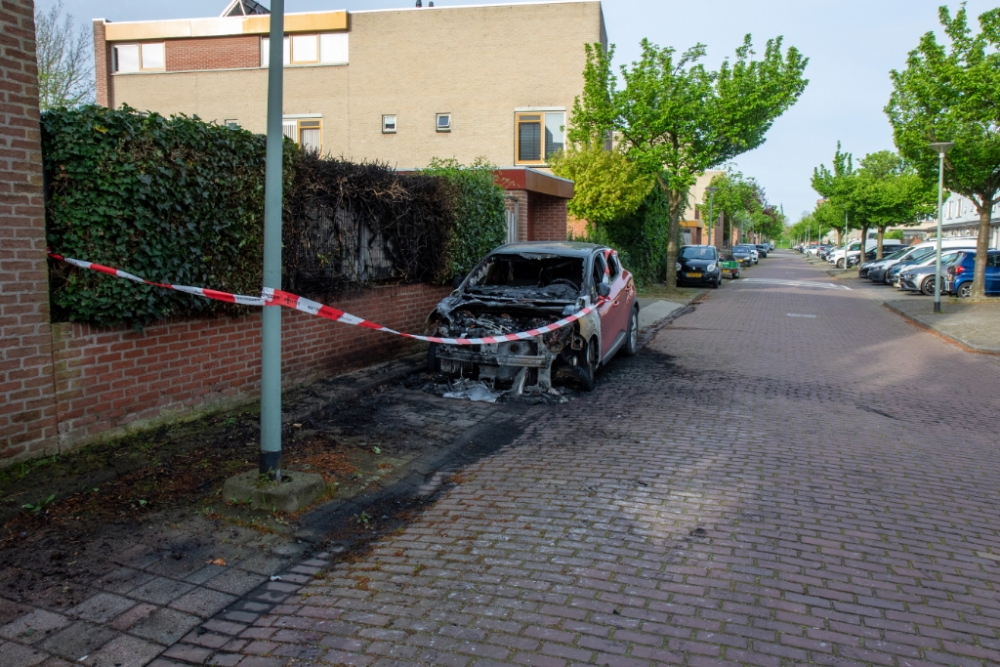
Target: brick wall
x,y
27,404
103,66
548,217
110,379
213,53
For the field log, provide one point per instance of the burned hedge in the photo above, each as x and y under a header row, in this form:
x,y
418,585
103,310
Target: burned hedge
x,y
349,224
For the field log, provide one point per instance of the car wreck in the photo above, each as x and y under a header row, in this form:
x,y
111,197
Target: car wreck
x,y
520,287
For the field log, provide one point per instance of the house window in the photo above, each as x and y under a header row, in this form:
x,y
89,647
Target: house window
x,y
443,122
540,135
306,132
317,49
232,123
389,124
140,58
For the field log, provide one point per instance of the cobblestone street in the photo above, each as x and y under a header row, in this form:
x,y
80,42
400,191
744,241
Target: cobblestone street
x,y
789,474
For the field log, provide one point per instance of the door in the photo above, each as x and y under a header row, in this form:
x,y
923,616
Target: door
x,y
993,274
606,310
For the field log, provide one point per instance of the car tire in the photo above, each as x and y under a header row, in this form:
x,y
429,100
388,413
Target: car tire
x,y
964,290
715,283
927,286
840,263
632,334
433,365
736,276
587,373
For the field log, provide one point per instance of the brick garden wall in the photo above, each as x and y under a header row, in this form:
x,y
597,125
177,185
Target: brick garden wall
x,y
27,402
108,380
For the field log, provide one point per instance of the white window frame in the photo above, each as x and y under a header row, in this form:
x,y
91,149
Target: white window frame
x,y
292,126
395,123
437,122
332,48
139,47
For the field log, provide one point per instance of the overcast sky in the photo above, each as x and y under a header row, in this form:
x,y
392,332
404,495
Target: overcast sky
x,y
851,45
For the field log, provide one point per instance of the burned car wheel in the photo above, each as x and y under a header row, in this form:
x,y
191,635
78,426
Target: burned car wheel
x,y
587,372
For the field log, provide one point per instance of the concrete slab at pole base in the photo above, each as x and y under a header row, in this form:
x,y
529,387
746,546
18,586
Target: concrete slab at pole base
x,y
296,491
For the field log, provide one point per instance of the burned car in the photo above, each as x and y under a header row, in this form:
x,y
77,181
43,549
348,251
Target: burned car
x,y
520,287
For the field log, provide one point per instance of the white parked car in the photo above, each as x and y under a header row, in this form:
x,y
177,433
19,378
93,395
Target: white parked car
x,y
854,251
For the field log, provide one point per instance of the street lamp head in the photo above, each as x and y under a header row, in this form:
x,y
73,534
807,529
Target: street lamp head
x,y
941,147
712,189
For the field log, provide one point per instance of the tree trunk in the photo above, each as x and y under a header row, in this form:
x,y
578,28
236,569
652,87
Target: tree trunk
x,y
864,246
881,235
676,201
982,249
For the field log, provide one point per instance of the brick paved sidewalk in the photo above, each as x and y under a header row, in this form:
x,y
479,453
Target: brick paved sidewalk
x,y
788,475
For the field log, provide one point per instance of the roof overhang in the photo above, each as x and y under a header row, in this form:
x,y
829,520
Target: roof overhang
x,y
533,180
223,26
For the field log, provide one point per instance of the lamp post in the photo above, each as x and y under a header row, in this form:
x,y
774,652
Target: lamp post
x,y
940,147
270,362
711,219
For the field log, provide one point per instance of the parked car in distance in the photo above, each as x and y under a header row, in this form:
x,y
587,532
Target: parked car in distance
x,y
854,249
925,259
762,249
913,255
958,277
921,278
743,255
519,287
875,264
698,265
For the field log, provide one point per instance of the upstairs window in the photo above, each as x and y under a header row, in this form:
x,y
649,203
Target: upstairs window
x,y
443,122
389,124
540,135
315,49
149,57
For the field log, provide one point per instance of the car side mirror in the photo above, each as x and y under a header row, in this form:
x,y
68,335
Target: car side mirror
x,y
604,289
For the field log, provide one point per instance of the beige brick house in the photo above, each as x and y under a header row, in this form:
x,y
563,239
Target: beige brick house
x,y
402,86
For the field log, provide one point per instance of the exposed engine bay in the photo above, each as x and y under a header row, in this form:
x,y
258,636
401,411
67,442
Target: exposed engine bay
x,y
511,293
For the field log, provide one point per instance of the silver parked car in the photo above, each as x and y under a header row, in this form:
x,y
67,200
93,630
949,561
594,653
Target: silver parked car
x,y
920,278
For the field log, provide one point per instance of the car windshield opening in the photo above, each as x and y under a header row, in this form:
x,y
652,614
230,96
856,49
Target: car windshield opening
x,y
552,276
698,252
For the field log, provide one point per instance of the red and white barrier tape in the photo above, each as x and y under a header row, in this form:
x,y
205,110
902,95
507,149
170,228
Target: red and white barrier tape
x,y
274,297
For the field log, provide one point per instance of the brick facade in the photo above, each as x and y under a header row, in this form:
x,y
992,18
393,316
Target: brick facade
x,y
213,53
27,403
547,220
103,66
111,379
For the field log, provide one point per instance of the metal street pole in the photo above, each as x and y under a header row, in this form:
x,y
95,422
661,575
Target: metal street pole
x,y
846,244
941,148
270,362
711,218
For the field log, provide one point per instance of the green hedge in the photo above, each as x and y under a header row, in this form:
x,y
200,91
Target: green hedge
x,y
170,199
640,238
480,225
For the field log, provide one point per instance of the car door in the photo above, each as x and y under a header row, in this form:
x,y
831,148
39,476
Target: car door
x,y
993,274
620,289
607,308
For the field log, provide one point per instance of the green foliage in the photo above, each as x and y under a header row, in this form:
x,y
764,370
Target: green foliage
x,y
639,237
894,234
953,94
743,203
607,186
170,199
478,208
889,192
674,119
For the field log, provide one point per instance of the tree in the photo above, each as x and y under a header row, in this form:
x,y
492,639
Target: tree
x,y
674,119
838,189
64,66
607,187
953,94
736,198
890,192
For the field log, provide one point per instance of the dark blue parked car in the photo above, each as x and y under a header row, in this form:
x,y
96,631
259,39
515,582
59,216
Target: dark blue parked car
x,y
958,279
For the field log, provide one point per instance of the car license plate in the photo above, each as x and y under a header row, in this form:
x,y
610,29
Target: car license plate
x,y
694,275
